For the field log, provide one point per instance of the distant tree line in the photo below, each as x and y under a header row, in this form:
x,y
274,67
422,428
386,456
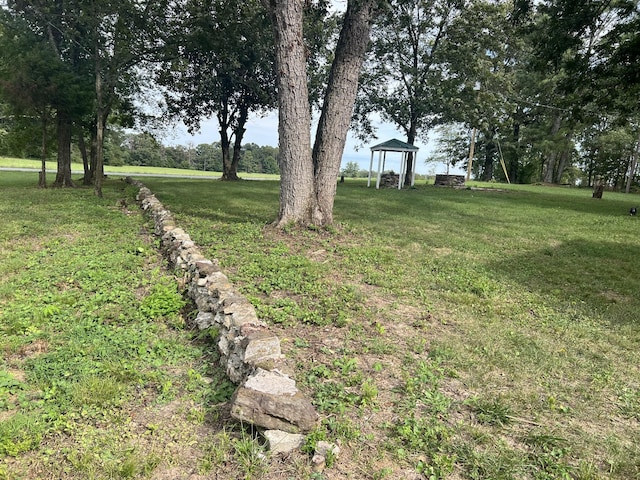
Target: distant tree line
x,y
145,150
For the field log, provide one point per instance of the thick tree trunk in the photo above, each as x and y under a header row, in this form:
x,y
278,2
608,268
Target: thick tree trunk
x,y
565,155
550,163
338,106
562,164
63,175
308,180
294,114
489,153
514,161
633,166
411,138
232,174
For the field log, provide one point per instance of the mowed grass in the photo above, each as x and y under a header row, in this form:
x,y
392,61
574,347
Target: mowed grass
x,y
476,334
99,377
21,163
448,333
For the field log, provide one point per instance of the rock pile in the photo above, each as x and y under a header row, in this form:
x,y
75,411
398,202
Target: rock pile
x,y
389,180
449,180
250,354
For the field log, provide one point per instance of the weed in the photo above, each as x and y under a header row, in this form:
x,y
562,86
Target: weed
x,y
491,412
368,393
163,301
216,452
439,467
249,455
20,433
629,402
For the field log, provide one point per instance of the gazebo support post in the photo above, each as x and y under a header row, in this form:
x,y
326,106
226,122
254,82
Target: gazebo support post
x,y
413,171
370,167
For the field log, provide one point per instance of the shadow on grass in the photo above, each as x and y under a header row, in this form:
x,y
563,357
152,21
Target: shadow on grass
x,y
245,201
596,278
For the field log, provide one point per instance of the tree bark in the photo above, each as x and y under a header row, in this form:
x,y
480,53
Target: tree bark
x,y
514,161
42,178
634,165
550,163
489,151
411,138
237,143
565,155
338,106
229,161
63,175
100,122
93,153
294,114
85,158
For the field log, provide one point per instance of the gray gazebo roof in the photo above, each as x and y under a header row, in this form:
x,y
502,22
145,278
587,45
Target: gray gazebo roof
x,y
394,145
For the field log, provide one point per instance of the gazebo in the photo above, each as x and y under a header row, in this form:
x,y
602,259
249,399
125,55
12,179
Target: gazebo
x,y
393,146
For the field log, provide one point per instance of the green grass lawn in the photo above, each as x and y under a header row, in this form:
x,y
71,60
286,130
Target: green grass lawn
x,y
463,334
123,170
99,377
492,334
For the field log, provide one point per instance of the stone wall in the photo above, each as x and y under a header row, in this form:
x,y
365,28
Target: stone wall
x,y
449,180
250,354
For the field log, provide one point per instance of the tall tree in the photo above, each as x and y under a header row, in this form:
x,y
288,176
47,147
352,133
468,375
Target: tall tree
x,y
59,74
309,177
404,72
103,43
223,67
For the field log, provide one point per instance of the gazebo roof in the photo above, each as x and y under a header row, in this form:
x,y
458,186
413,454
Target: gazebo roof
x,y
394,145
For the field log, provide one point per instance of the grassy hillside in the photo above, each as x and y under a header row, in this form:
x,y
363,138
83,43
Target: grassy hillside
x,y
476,334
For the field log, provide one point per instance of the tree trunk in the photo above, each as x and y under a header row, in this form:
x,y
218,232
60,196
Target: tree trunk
x,y
634,164
562,164
42,178
294,113
514,161
411,137
565,155
63,175
230,162
489,152
337,109
232,174
85,158
100,121
550,163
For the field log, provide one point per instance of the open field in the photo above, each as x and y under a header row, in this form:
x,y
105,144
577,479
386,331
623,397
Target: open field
x,y
482,334
123,170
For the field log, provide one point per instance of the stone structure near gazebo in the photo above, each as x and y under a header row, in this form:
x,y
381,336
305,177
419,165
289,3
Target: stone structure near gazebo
x,y
267,395
389,180
449,180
